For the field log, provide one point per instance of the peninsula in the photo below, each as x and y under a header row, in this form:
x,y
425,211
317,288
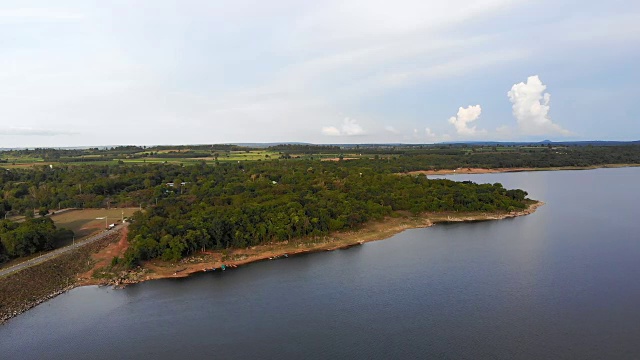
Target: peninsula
x,y
208,207
94,265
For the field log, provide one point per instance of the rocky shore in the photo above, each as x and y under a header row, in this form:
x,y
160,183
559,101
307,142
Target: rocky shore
x,y
19,309
32,286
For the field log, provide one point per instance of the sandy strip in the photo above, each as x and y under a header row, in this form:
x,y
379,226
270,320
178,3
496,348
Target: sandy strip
x,y
506,170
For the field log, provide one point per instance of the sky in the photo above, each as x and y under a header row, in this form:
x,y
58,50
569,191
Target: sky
x,y
145,72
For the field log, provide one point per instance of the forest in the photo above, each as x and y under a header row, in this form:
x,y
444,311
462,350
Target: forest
x,y
275,204
28,237
234,204
221,204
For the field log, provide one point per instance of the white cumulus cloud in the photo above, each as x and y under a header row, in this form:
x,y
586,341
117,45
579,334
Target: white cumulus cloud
x,y
531,108
464,117
350,127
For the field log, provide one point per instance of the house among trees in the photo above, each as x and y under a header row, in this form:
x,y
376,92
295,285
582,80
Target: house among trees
x,y
173,184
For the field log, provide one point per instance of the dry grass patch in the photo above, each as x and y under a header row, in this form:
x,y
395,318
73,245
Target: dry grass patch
x,y
85,222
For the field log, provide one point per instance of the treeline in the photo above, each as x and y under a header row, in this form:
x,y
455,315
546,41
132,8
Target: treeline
x,y
184,154
411,157
582,156
213,147
93,185
306,148
240,206
28,237
90,185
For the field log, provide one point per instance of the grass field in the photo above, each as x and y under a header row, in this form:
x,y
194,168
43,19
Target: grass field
x,y
169,156
85,222
162,156
251,155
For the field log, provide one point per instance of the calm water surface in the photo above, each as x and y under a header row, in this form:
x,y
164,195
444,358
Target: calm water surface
x,y
561,283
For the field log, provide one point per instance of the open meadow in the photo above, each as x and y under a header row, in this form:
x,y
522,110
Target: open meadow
x,y
85,222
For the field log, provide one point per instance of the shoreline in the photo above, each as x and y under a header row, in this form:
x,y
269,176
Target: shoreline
x,y
508,170
374,231
206,261
22,290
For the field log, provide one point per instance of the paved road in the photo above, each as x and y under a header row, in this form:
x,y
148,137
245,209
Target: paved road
x,y
50,255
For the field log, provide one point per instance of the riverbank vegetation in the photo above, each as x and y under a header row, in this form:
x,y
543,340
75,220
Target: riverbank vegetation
x,y
266,203
117,273
198,198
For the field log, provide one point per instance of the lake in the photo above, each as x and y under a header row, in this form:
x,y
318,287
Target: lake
x,y
561,283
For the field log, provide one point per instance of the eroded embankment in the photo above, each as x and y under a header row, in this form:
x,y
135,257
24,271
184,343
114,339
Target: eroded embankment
x,y
29,287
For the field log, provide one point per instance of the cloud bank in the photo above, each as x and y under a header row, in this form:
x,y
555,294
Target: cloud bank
x,y
531,108
74,64
18,15
32,132
350,127
391,129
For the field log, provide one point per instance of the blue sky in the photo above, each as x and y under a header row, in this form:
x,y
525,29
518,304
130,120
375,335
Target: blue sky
x,y
76,73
